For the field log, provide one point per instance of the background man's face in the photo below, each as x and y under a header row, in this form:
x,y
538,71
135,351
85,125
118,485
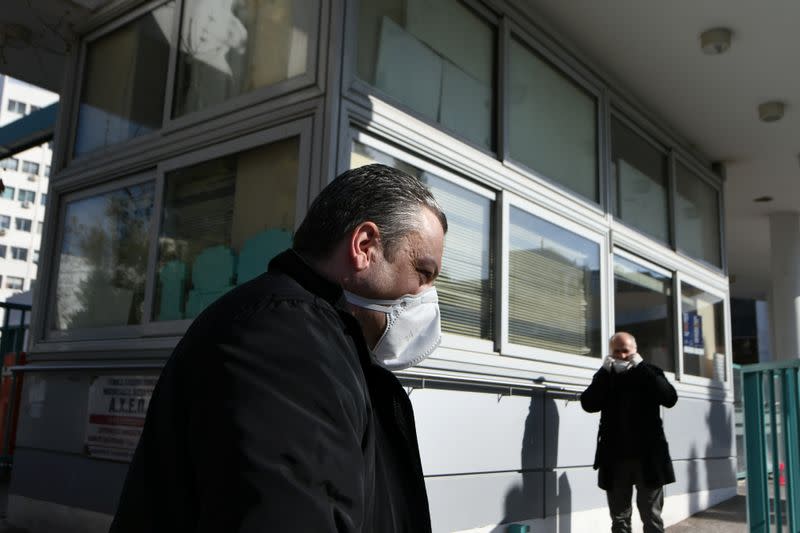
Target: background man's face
x,y
623,347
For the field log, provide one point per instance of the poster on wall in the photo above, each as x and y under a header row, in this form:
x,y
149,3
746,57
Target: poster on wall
x,y
117,408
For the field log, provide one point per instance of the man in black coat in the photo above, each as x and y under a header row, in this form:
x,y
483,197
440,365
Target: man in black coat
x,y
276,411
631,447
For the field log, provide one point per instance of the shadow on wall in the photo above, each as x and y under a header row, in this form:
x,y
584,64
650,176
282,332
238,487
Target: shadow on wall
x,y
693,487
543,493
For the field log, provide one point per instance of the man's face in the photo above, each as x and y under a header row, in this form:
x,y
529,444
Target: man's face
x,y
623,347
413,268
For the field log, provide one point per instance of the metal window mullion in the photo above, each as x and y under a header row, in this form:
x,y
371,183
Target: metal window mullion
x,y
503,219
151,278
172,67
67,153
677,329
604,178
608,323
503,87
672,236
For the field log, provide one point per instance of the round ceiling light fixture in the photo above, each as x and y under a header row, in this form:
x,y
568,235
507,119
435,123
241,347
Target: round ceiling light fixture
x,y
715,41
771,111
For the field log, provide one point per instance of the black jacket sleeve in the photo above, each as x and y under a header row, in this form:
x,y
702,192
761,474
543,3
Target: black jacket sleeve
x,y
279,418
661,389
594,397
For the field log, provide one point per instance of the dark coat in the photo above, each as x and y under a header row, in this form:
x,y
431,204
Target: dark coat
x,y
270,415
630,422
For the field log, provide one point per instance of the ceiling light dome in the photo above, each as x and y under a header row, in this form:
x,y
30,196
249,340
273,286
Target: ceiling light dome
x,y
715,41
770,111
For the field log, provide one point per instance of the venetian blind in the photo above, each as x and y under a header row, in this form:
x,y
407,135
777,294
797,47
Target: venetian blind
x,y
554,287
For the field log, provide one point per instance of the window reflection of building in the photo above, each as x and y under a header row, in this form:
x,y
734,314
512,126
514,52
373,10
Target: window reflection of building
x,y
553,303
125,72
103,259
643,307
554,287
231,47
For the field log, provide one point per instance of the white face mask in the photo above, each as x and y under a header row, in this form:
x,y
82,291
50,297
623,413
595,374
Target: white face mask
x,y
621,366
413,327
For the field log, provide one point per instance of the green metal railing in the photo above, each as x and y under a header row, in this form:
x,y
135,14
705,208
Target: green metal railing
x,y
771,422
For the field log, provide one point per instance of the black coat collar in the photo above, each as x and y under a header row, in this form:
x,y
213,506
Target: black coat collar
x,y
291,263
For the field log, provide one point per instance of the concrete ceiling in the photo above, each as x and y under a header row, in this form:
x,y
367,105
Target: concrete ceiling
x,y
36,36
652,49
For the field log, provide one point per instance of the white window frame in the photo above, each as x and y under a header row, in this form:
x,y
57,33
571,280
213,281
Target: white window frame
x,y
656,145
706,383
300,129
706,177
164,334
361,91
577,78
637,259
107,332
510,349
264,97
449,340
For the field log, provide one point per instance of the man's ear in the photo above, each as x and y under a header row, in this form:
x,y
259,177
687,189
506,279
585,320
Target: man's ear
x,y
365,244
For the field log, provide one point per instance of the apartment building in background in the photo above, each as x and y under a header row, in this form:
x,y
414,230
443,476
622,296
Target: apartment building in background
x,y
26,176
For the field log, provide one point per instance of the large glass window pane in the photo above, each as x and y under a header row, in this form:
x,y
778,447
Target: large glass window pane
x,y
223,221
552,123
8,193
5,222
416,52
639,174
554,287
103,259
643,307
466,282
703,333
697,217
125,81
233,47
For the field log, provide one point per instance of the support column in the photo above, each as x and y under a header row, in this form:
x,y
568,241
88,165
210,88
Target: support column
x,y
784,232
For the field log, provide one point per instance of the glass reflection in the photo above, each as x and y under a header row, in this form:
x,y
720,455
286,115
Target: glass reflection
x,y
103,259
231,47
554,287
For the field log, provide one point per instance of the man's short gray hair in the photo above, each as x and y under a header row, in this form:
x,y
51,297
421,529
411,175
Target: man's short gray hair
x,y
376,193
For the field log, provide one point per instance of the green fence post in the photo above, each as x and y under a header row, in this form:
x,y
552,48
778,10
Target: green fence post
x,y
791,443
755,449
776,486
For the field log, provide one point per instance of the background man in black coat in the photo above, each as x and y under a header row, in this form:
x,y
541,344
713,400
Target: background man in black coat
x,y
631,446
276,411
